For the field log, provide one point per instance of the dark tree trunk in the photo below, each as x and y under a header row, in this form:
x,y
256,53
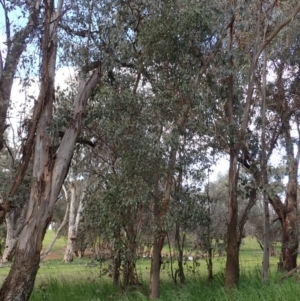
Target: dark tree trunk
x,y
289,247
179,246
116,268
16,287
130,276
287,211
232,262
157,244
210,264
155,267
20,281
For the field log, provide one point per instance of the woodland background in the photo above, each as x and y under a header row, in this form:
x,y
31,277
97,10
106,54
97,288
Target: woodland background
x,y
123,150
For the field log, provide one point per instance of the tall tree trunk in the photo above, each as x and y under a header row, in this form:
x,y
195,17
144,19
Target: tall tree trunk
x,y
160,212
14,225
74,221
130,276
161,207
72,235
266,255
117,258
289,220
158,240
49,169
19,283
232,262
287,211
11,238
179,243
289,248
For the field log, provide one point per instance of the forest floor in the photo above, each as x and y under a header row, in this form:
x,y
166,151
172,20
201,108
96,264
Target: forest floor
x,y
88,279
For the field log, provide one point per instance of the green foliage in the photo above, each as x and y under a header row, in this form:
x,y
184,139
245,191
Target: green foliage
x,y
165,91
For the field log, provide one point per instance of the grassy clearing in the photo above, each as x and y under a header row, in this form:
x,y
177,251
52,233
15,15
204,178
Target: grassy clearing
x,y
250,258
60,243
81,279
251,288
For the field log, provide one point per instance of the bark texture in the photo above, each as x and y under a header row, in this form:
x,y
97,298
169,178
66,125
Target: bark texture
x,y
232,273
49,168
75,215
72,235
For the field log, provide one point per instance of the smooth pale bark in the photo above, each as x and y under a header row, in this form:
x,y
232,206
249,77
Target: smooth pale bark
x,y
70,248
74,221
19,283
79,212
11,238
49,169
14,225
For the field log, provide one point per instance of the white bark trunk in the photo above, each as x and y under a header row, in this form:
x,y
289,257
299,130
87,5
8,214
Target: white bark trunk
x,y
74,220
49,169
68,257
11,239
14,226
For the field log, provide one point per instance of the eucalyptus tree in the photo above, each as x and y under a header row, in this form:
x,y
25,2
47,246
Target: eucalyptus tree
x,y
17,36
281,125
166,60
77,195
178,40
286,104
50,166
21,21
236,102
14,220
124,156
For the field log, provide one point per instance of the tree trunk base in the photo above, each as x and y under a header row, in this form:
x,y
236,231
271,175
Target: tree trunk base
x,y
20,281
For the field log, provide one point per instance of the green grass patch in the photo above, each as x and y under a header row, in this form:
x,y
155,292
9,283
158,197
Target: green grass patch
x,y
60,243
83,279
250,288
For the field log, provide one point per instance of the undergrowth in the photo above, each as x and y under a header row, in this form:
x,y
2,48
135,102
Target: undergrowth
x,y
250,288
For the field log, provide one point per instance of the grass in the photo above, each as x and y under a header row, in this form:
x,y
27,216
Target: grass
x,y
81,280
59,244
250,288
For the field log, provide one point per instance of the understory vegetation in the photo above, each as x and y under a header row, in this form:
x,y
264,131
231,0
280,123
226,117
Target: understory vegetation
x,y
250,288
85,279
